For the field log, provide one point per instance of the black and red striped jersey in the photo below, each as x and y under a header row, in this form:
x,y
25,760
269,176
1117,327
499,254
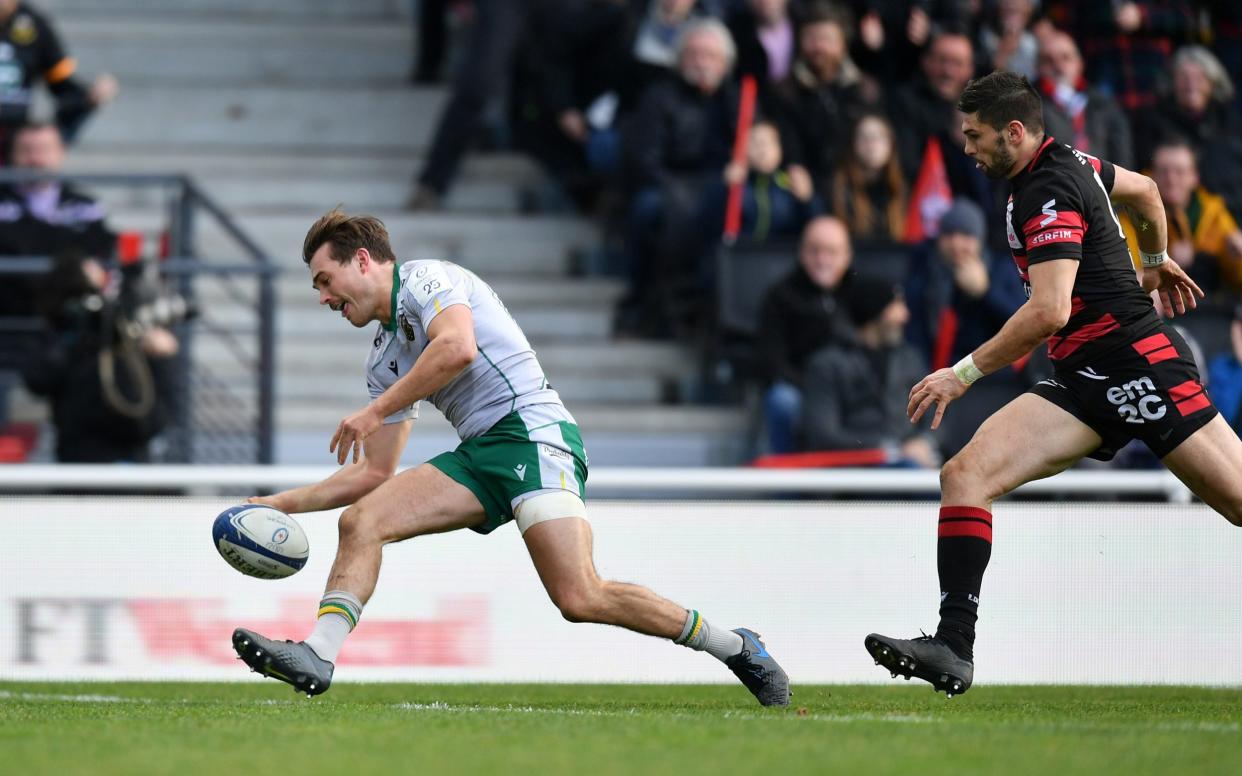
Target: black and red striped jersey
x,y
1060,209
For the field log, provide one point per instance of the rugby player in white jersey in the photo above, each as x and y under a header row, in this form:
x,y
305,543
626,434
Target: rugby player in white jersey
x,y
445,336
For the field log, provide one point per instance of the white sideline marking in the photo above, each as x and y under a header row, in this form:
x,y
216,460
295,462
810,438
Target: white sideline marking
x,y
1174,726
37,696
728,714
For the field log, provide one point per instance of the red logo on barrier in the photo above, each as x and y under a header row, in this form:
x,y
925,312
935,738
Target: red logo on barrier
x,y
198,630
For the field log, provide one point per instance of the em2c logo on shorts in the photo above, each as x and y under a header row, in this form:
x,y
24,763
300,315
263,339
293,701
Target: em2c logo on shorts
x,y
1137,400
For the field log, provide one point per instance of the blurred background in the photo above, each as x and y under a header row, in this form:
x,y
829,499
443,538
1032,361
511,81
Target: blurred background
x,y
736,232
578,155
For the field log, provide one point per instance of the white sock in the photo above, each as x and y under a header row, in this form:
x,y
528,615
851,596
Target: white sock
x,y
698,635
338,614
328,636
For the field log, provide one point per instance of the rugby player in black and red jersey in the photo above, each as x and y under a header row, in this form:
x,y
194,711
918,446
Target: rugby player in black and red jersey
x,y
1121,373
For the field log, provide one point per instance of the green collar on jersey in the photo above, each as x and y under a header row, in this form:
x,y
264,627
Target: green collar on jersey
x,y
396,286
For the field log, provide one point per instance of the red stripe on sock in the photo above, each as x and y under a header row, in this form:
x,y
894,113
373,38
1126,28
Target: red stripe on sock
x,y
982,514
969,527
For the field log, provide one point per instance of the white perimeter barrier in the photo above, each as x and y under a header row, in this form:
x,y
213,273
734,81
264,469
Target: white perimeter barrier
x,y
1102,593
619,480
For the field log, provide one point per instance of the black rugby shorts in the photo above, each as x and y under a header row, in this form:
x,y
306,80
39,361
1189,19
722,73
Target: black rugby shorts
x,y
1148,390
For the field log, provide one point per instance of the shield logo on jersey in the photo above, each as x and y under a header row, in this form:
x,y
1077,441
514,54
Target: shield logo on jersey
x,y
406,327
23,32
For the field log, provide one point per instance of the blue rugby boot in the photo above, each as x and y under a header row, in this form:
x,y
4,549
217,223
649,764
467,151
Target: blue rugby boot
x,y
292,662
759,671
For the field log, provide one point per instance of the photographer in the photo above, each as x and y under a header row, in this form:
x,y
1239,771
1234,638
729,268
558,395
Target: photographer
x,y
39,218
109,378
45,217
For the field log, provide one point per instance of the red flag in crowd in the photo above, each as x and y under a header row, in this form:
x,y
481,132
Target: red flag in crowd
x,y
931,195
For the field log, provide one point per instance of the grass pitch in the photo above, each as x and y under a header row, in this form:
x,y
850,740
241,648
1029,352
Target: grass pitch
x,y
264,728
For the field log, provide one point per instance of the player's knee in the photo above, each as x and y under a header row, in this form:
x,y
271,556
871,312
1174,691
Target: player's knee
x,y
578,603
961,477
955,473
357,524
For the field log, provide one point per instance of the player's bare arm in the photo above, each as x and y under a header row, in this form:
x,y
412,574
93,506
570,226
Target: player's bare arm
x,y
1048,309
450,349
1139,194
348,484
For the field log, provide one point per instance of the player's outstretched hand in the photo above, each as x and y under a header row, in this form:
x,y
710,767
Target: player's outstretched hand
x,y
352,431
1178,293
938,388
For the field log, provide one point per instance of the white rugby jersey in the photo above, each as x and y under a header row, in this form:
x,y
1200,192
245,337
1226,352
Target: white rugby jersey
x,y
504,376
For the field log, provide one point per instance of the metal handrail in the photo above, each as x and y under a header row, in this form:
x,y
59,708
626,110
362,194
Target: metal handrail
x,y
189,197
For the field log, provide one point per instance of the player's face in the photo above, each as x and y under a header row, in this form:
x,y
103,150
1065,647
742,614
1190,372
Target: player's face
x,y
987,147
340,286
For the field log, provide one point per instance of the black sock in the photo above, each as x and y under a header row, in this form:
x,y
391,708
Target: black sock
x,y
963,547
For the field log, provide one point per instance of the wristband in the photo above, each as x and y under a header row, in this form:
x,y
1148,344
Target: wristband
x,y
1153,259
966,370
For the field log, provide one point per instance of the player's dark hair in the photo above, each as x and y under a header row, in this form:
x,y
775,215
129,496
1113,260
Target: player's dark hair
x,y
1001,97
346,234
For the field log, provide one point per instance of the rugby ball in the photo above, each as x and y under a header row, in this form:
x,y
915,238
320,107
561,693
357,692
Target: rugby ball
x,y
260,541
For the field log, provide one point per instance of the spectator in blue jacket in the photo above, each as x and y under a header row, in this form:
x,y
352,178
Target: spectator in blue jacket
x,y
1225,375
958,295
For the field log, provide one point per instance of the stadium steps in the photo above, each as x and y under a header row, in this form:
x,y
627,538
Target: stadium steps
x,y
275,116
281,109
206,50
245,178
490,244
242,11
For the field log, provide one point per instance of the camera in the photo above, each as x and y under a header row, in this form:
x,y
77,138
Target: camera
x,y
144,301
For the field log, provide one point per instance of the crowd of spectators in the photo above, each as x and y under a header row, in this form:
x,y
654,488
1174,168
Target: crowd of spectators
x,y
62,333
854,157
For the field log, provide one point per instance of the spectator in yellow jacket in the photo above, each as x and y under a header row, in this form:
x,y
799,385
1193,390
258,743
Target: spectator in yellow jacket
x,y
1203,236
